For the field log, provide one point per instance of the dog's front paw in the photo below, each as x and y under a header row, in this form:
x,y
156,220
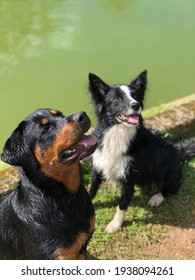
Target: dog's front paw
x,y
113,227
116,222
156,200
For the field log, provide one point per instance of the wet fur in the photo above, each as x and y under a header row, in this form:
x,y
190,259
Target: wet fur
x,y
49,215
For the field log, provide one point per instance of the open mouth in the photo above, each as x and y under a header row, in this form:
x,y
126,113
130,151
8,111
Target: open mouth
x,y
128,119
83,148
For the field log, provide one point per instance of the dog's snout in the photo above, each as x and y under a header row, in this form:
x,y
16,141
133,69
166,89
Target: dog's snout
x,y
135,106
81,119
78,117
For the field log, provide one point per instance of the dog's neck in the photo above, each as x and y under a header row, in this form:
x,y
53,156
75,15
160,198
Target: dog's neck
x,y
68,176
117,137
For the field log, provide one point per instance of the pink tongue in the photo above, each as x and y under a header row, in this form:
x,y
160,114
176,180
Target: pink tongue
x,y
133,119
88,140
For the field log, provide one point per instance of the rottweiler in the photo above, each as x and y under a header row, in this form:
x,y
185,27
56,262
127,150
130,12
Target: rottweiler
x,y
49,215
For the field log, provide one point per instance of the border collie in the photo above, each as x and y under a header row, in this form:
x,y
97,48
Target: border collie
x,y
128,152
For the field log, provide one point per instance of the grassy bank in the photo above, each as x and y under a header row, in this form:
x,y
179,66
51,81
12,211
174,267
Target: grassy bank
x,y
163,107
3,166
143,225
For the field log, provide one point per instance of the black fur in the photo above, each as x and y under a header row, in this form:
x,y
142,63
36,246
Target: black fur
x,y
42,218
147,158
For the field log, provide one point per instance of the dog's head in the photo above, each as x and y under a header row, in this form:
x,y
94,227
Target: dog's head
x,y
118,103
48,141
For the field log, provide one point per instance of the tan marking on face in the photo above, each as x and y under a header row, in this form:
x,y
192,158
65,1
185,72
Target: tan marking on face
x,y
73,252
69,175
44,121
54,112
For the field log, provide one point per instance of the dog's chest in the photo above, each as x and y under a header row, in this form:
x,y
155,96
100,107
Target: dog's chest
x,y
112,158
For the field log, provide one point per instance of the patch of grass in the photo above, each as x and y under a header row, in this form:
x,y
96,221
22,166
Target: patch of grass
x,y
3,165
143,225
8,179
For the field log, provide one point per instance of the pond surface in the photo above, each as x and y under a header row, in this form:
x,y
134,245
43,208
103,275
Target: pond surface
x,y
47,49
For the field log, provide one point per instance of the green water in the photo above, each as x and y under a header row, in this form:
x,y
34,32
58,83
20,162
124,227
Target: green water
x,y
47,49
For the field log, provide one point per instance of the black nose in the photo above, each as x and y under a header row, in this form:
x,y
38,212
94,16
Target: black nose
x,y
78,117
135,106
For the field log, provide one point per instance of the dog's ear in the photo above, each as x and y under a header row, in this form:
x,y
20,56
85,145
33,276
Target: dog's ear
x,y
97,87
16,152
139,84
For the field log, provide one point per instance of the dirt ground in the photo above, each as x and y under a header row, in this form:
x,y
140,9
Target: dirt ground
x,y
178,245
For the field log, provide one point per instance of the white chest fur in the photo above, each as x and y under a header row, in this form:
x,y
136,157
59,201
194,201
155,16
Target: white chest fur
x,y
110,160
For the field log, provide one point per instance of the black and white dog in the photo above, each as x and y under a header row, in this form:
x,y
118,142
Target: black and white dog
x,y
128,152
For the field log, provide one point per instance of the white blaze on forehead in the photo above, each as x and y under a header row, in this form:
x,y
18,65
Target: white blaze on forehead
x,y
127,91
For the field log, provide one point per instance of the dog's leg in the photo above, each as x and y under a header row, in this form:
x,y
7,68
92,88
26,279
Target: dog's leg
x,y
126,196
156,199
96,181
117,221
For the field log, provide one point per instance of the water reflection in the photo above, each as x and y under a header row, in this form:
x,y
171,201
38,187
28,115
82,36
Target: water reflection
x,y
54,44
29,28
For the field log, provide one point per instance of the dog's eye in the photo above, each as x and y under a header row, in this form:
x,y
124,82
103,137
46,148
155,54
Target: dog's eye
x,y
118,97
45,128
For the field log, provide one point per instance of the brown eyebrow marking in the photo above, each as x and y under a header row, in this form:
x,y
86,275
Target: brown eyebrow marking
x,y
54,112
44,121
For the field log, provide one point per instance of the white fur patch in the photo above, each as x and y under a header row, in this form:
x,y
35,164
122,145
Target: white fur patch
x,y
116,222
110,160
156,200
127,91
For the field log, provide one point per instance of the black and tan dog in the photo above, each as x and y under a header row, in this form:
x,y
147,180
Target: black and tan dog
x,y
49,215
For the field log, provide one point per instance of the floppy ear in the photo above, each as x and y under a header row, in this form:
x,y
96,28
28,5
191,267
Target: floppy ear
x,y
98,88
16,152
139,84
